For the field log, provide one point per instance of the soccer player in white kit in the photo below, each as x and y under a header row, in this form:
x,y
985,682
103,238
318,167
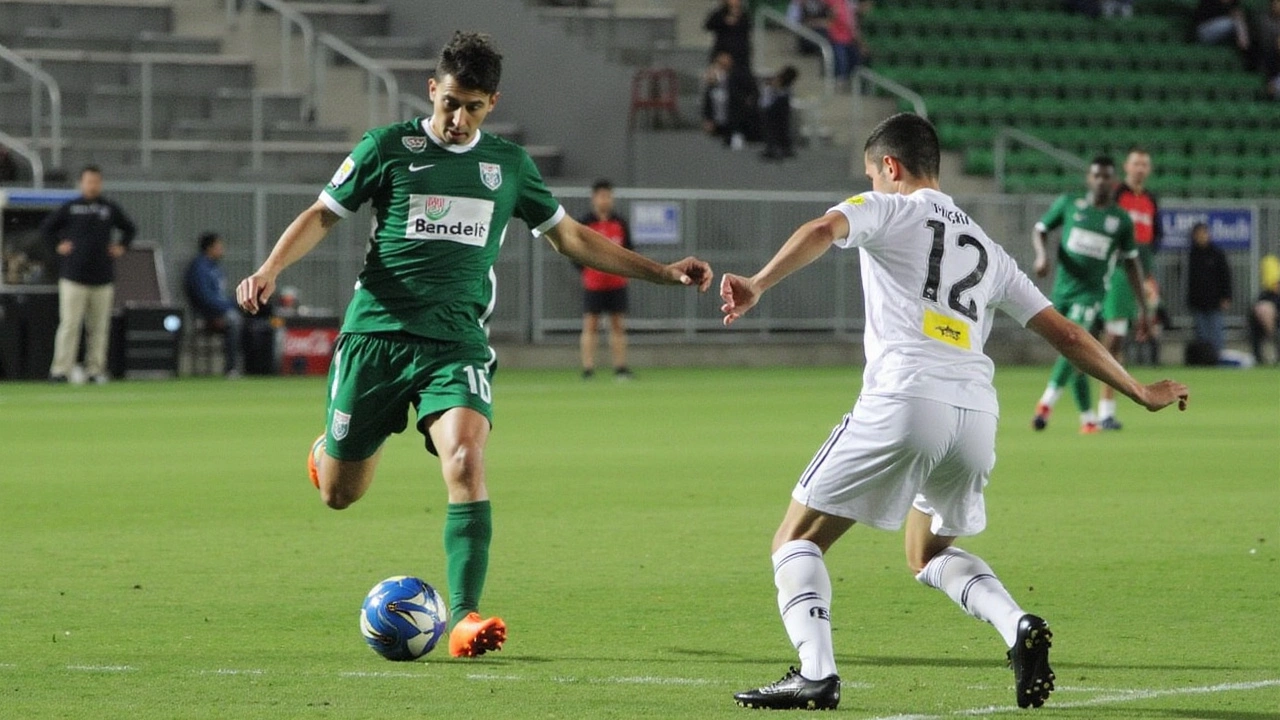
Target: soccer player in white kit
x,y
919,444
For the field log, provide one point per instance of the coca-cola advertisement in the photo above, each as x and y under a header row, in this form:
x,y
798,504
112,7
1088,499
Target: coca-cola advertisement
x,y
307,350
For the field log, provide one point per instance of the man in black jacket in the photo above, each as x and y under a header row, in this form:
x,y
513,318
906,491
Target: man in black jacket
x,y
1208,287
81,233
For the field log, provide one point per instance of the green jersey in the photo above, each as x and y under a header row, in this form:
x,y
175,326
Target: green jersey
x,y
1092,238
440,216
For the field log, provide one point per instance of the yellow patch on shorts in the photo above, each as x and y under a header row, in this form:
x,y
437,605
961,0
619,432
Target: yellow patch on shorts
x,y
946,329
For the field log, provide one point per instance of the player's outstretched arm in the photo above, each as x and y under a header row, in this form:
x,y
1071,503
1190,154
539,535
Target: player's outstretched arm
x,y
1087,354
588,247
806,244
303,234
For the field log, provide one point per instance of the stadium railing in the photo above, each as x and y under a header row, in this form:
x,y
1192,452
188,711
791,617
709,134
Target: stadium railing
x,y
867,77
1007,135
375,72
27,153
289,19
768,16
39,79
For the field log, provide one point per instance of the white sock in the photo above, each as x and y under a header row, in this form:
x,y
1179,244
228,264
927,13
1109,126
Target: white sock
x,y
804,599
1106,408
969,581
1050,396
1088,417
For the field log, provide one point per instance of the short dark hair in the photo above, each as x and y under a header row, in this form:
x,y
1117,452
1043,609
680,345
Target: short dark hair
x,y
1199,226
207,240
911,140
90,169
472,60
601,184
1103,161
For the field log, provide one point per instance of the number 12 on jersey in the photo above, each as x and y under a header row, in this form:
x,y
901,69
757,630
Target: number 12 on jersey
x,y
937,325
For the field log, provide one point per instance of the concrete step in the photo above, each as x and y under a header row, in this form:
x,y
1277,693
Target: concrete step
x,y
124,18
194,73
346,19
41,38
393,46
616,30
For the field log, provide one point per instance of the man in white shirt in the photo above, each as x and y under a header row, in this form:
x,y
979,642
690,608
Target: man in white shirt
x,y
919,444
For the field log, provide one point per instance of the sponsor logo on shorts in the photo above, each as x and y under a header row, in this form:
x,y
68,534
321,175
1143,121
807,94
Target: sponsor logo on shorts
x,y
341,424
414,143
491,175
455,219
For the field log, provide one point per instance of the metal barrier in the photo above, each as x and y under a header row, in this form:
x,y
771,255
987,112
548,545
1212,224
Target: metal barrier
x,y
871,77
1006,135
539,292
769,16
289,19
29,154
40,78
374,72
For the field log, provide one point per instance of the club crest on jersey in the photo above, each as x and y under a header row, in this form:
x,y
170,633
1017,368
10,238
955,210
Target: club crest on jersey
x,y
491,175
436,207
1111,224
414,143
341,424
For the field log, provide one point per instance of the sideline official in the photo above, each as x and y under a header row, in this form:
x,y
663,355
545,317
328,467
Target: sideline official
x,y
81,233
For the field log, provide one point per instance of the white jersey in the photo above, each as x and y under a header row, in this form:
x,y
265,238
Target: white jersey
x,y
931,279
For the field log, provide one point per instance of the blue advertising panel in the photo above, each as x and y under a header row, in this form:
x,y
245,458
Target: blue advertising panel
x,y
655,223
1230,228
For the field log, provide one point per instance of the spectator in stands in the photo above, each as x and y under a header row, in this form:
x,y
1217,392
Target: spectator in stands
x,y
81,234
775,115
813,14
603,293
8,168
842,31
1264,316
1222,21
206,288
1269,48
1208,287
730,23
729,102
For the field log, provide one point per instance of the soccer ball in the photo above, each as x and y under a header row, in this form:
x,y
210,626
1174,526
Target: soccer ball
x,y
403,618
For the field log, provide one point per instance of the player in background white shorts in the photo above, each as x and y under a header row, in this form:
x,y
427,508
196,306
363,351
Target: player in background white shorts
x,y
919,444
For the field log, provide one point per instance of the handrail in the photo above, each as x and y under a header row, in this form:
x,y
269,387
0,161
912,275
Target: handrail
x,y
289,18
893,87
1000,149
373,69
413,104
39,76
31,156
767,15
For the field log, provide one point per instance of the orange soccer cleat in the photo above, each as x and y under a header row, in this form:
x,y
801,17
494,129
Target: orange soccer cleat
x,y
313,467
1089,428
474,636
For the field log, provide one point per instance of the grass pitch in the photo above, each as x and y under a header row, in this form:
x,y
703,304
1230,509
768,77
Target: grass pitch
x,y
165,557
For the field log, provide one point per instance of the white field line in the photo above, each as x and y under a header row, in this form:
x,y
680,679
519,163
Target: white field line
x,y
1114,698
230,671
101,668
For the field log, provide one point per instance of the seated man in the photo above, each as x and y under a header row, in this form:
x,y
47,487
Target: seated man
x,y
206,288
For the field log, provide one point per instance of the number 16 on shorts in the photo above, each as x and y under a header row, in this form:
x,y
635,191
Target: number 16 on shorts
x,y
478,382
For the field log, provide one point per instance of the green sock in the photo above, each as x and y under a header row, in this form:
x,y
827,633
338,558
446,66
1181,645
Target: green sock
x,y
468,528
1062,373
1082,392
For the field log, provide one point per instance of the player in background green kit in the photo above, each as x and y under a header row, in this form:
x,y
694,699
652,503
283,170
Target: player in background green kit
x,y
415,332
1094,232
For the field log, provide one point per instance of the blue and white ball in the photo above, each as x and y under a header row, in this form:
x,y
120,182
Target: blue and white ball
x,y
403,618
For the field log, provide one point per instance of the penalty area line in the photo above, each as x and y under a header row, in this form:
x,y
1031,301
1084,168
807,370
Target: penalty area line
x,y
1114,698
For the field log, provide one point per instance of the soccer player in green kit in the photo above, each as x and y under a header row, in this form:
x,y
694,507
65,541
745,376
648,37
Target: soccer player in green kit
x,y
1094,232
414,334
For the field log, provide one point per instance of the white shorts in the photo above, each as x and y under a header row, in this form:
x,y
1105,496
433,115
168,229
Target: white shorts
x,y
893,453
1119,327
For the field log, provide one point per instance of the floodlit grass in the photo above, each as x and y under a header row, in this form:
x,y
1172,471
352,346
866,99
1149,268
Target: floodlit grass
x,y
163,555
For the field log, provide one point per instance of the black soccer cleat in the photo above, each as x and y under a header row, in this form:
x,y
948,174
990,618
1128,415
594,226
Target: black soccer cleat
x,y
1029,658
1110,424
793,692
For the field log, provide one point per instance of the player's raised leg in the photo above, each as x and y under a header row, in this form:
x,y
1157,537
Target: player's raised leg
x,y
971,583
341,482
459,436
804,601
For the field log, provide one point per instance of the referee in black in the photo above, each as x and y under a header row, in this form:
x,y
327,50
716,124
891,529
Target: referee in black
x,y
81,234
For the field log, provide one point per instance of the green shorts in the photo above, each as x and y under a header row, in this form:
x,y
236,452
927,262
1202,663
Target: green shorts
x,y
373,380
1079,309
1120,303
